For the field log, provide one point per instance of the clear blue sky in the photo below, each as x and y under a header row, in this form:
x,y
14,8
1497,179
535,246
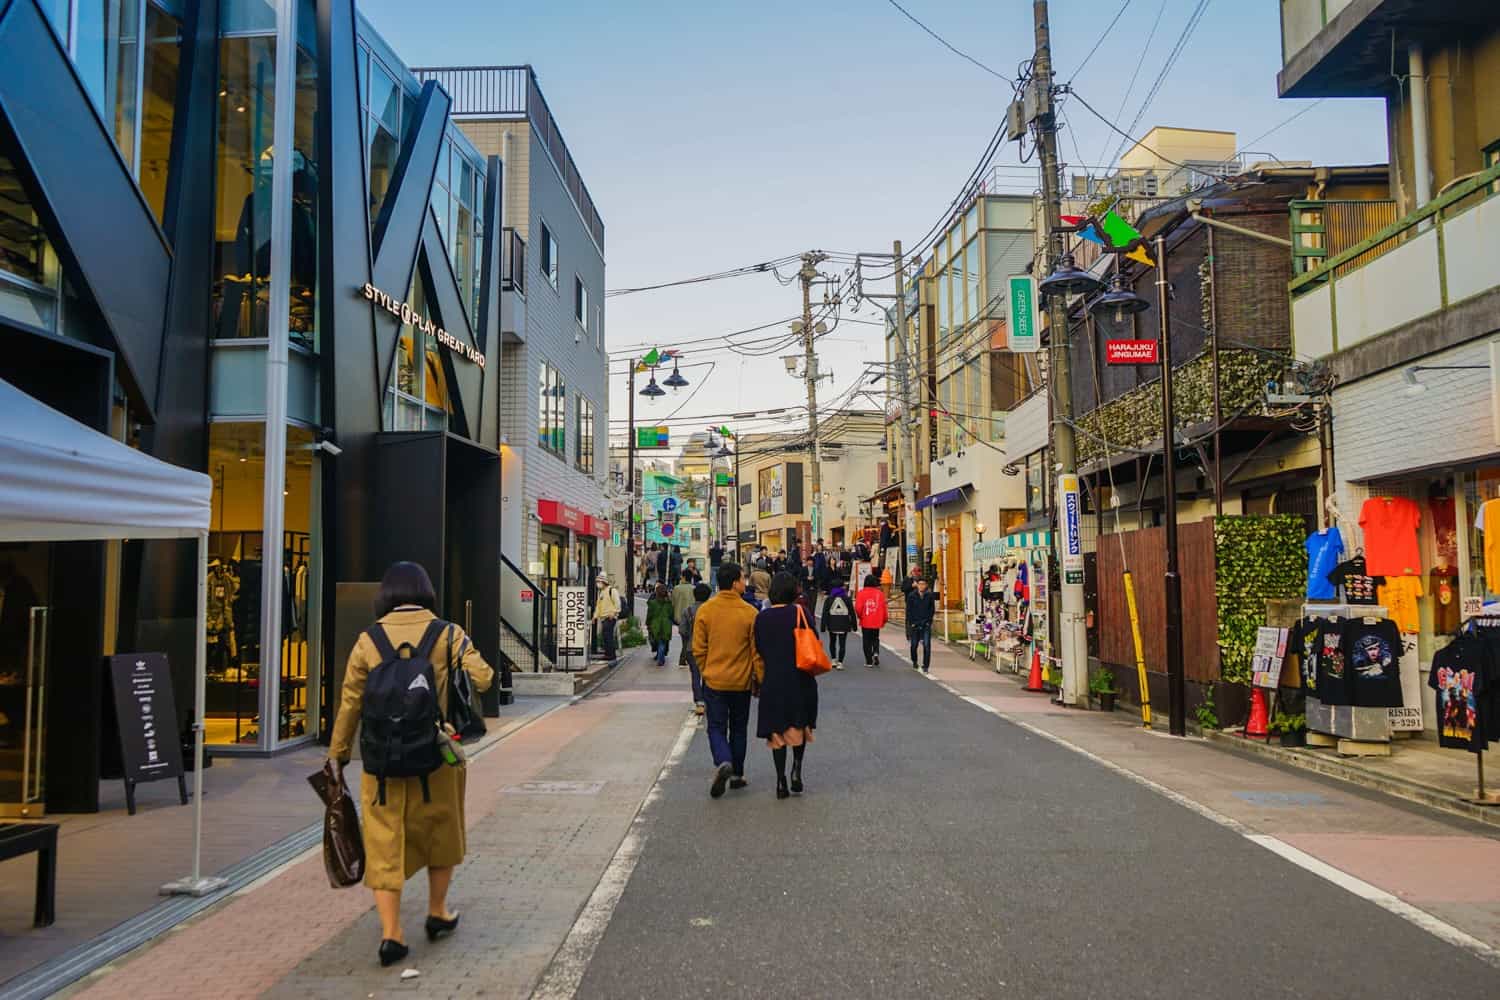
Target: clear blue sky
x,y
715,134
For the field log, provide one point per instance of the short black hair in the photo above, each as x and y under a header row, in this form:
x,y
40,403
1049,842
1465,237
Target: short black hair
x,y
728,573
871,580
783,588
405,583
701,592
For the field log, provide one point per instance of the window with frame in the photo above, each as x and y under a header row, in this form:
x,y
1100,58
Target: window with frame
x,y
552,426
580,303
548,258
585,460
1036,485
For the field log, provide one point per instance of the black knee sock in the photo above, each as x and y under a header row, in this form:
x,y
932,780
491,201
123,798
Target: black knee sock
x,y
797,757
779,756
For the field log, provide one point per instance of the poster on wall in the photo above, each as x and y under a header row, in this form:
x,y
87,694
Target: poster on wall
x,y
572,621
1265,663
772,484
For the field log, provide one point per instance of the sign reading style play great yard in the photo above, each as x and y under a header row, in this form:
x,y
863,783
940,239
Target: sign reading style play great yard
x,y
402,309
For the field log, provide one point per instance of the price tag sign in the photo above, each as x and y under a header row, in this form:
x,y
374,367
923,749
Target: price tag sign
x,y
1472,607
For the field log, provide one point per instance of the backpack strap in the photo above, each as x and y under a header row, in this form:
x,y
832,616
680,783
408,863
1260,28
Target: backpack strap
x,y
382,642
430,637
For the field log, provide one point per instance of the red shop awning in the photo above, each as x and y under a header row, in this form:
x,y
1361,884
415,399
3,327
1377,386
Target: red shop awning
x,y
557,513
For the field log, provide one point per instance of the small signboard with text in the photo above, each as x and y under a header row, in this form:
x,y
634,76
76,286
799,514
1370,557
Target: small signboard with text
x,y
1270,651
149,741
1131,352
653,437
572,621
1023,335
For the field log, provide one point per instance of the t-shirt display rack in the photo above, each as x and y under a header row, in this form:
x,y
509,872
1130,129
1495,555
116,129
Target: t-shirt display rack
x,y
1353,730
1483,727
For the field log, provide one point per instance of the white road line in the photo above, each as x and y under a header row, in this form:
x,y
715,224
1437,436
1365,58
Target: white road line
x,y
1440,929
565,971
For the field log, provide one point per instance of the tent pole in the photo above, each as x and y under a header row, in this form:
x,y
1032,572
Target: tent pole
x,y
195,884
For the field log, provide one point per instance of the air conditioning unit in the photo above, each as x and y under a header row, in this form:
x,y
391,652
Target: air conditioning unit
x,y
1080,186
1148,185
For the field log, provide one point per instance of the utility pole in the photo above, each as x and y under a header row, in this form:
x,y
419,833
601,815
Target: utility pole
x,y
1176,695
910,393
808,274
1074,630
630,489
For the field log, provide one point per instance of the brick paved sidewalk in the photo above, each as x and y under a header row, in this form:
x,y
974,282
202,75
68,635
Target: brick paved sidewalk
x,y
546,810
1447,867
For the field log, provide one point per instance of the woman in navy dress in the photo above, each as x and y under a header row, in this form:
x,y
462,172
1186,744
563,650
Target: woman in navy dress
x,y
788,696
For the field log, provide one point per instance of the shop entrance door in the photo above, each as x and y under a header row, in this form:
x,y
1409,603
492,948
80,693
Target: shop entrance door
x,y
24,647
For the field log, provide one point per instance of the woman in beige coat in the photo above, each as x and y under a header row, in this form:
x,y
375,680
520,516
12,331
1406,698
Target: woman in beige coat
x,y
404,833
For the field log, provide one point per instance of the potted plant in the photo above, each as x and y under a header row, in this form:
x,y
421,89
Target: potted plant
x,y
1292,729
631,634
1054,678
1102,684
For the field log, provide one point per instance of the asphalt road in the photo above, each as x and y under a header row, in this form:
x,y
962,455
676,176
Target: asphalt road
x,y
940,851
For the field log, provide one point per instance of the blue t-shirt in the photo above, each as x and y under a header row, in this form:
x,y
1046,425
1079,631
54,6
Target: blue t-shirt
x,y
1325,549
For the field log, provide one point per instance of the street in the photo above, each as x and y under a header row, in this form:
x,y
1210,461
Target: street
x,y
940,849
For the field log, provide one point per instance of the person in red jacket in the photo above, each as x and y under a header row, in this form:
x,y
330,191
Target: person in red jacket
x,y
870,608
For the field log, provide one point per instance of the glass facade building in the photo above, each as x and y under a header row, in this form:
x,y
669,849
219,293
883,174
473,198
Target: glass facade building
x,y
287,277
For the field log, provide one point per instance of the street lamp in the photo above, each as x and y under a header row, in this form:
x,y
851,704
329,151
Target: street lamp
x,y
1068,279
675,380
652,391
1119,302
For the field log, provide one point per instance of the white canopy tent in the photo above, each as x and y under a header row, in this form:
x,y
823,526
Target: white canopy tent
x,y
63,481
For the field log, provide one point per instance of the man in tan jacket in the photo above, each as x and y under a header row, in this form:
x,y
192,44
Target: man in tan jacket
x,y
724,646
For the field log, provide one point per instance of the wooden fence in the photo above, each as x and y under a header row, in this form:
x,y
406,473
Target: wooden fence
x,y
1145,553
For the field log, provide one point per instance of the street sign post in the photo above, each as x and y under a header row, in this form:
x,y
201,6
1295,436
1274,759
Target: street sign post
x,y
1131,352
1072,554
1022,335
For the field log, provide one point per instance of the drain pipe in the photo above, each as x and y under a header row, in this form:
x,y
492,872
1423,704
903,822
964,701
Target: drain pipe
x,y
1416,75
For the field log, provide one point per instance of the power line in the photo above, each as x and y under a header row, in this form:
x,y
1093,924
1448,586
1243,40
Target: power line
x,y
945,43
1140,62
1283,124
737,272
1176,53
1091,110
1103,35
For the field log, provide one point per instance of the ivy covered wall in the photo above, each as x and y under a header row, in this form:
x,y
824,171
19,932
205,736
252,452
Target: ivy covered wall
x,y
1134,419
1256,558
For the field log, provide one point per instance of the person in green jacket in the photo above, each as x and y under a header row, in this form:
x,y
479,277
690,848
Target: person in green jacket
x,y
659,623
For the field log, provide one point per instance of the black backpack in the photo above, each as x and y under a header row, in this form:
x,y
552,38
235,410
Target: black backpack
x,y
399,715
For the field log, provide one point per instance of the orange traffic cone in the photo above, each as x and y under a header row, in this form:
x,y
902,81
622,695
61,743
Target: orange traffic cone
x,y
1256,727
1034,681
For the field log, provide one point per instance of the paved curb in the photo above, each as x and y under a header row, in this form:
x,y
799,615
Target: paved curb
x,y
1431,796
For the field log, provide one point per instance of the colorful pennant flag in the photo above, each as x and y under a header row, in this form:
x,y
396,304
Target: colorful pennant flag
x,y
1119,231
652,358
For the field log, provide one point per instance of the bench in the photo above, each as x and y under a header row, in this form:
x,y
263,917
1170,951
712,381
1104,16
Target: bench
x,y
17,839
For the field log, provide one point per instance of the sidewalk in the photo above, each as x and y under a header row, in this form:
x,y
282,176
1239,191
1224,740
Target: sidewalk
x,y
546,810
1446,866
111,865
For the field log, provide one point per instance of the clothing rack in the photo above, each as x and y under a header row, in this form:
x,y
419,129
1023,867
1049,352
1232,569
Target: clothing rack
x,y
1359,720
1481,797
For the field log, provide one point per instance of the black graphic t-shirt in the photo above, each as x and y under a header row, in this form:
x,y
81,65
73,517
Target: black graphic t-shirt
x,y
1333,682
1459,673
1304,642
1359,586
1372,652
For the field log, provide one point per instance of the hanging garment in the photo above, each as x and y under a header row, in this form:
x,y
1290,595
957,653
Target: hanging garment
x,y
1333,681
1488,522
1354,576
1460,673
1304,643
1372,652
1442,584
1399,597
1444,529
1324,550
1390,527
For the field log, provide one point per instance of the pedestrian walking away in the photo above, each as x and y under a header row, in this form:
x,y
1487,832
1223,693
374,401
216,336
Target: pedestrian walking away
x,y
871,610
921,608
607,614
685,622
412,789
838,622
788,712
682,599
659,623
731,668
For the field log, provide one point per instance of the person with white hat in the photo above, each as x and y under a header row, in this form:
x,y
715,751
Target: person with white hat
x,y
607,614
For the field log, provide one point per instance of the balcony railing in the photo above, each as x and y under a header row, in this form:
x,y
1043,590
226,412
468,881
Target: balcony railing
x,y
1324,229
512,92
1437,256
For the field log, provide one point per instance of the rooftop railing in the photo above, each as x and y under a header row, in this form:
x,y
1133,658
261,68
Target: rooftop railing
x,y
513,92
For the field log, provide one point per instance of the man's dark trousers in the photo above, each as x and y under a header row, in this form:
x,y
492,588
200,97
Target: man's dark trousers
x,y
920,635
728,716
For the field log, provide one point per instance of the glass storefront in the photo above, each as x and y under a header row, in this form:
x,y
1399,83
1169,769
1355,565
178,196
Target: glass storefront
x,y
242,231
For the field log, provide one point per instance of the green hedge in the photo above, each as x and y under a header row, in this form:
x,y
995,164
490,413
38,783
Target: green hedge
x,y
1256,559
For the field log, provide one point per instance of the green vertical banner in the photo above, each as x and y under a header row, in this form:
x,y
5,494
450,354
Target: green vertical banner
x,y
1022,335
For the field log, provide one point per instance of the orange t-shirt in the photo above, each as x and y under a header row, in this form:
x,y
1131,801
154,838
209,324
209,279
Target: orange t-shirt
x,y
1399,596
1390,527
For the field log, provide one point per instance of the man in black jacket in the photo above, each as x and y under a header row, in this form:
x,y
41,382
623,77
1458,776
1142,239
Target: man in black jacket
x,y
921,608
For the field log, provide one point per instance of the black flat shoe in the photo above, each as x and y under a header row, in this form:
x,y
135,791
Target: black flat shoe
x,y
738,781
781,790
392,952
796,781
437,927
721,778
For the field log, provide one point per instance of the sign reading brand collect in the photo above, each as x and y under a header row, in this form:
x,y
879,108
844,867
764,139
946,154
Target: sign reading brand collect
x,y
401,308
1131,352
